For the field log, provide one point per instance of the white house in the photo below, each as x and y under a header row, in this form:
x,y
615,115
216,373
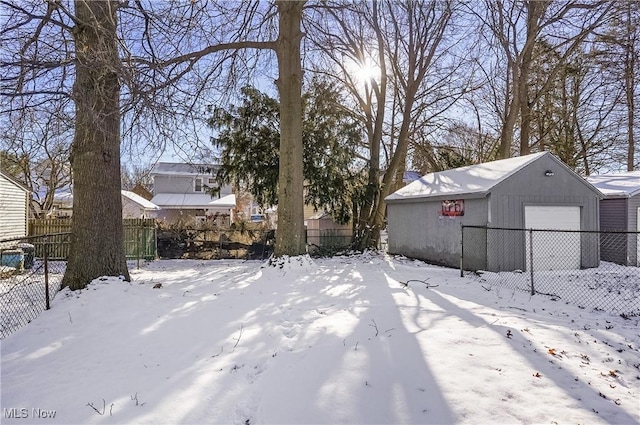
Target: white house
x,y
182,190
135,206
14,207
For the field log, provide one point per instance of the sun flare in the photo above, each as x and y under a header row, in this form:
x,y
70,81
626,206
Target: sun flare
x,y
363,71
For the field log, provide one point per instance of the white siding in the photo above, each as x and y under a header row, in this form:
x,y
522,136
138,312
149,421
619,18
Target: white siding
x,y
13,209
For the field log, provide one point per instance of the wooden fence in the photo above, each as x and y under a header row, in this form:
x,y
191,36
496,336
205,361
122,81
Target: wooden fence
x,y
139,237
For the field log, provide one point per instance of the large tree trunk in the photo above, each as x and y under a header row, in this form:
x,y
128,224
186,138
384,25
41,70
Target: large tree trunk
x,y
97,240
290,236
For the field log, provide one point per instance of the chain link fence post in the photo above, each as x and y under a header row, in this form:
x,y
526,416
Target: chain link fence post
x,y
461,250
533,291
138,243
47,299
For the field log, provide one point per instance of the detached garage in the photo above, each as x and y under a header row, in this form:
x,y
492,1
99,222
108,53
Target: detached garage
x,y
619,212
535,191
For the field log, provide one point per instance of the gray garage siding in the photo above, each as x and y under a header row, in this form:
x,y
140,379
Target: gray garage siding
x,y
634,204
419,231
507,210
614,217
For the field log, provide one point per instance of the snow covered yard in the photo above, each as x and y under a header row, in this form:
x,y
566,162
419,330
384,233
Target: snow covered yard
x,y
343,340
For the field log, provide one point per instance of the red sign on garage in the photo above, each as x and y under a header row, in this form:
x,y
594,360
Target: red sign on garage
x,y
452,208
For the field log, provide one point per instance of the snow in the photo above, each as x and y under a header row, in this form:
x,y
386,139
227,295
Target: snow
x,y
479,178
139,200
356,339
193,200
617,185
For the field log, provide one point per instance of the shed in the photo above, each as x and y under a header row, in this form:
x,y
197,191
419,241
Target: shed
x,y
619,212
135,206
323,232
14,207
534,191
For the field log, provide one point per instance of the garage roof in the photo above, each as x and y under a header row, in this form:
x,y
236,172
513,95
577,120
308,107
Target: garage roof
x,y
147,205
619,185
476,179
193,201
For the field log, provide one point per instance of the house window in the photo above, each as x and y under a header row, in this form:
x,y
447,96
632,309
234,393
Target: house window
x,y
198,185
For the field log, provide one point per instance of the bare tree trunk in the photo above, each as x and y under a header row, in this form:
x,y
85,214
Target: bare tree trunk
x,y
511,118
290,237
629,76
535,12
97,247
366,235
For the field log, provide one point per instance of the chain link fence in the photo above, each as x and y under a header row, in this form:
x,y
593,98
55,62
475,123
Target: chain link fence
x,y
597,270
31,271
328,242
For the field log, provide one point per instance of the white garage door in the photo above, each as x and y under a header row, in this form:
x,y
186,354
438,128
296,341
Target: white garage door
x,y
553,250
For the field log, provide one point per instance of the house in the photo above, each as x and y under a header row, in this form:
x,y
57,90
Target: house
x,y
535,191
14,207
133,206
62,206
182,192
324,232
619,211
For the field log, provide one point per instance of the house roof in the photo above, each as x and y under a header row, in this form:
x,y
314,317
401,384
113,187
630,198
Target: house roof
x,y
181,168
193,201
66,199
476,180
472,179
144,204
618,185
14,181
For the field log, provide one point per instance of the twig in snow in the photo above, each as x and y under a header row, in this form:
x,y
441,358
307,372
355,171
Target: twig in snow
x,y
375,326
216,355
356,349
427,284
71,321
135,398
239,336
104,406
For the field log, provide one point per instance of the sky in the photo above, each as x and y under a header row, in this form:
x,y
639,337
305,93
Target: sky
x,y
362,339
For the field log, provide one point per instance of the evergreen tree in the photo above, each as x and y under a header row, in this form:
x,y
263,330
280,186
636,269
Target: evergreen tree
x,y
248,137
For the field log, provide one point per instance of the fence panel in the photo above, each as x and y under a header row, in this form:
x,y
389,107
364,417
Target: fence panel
x,y
588,268
139,237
